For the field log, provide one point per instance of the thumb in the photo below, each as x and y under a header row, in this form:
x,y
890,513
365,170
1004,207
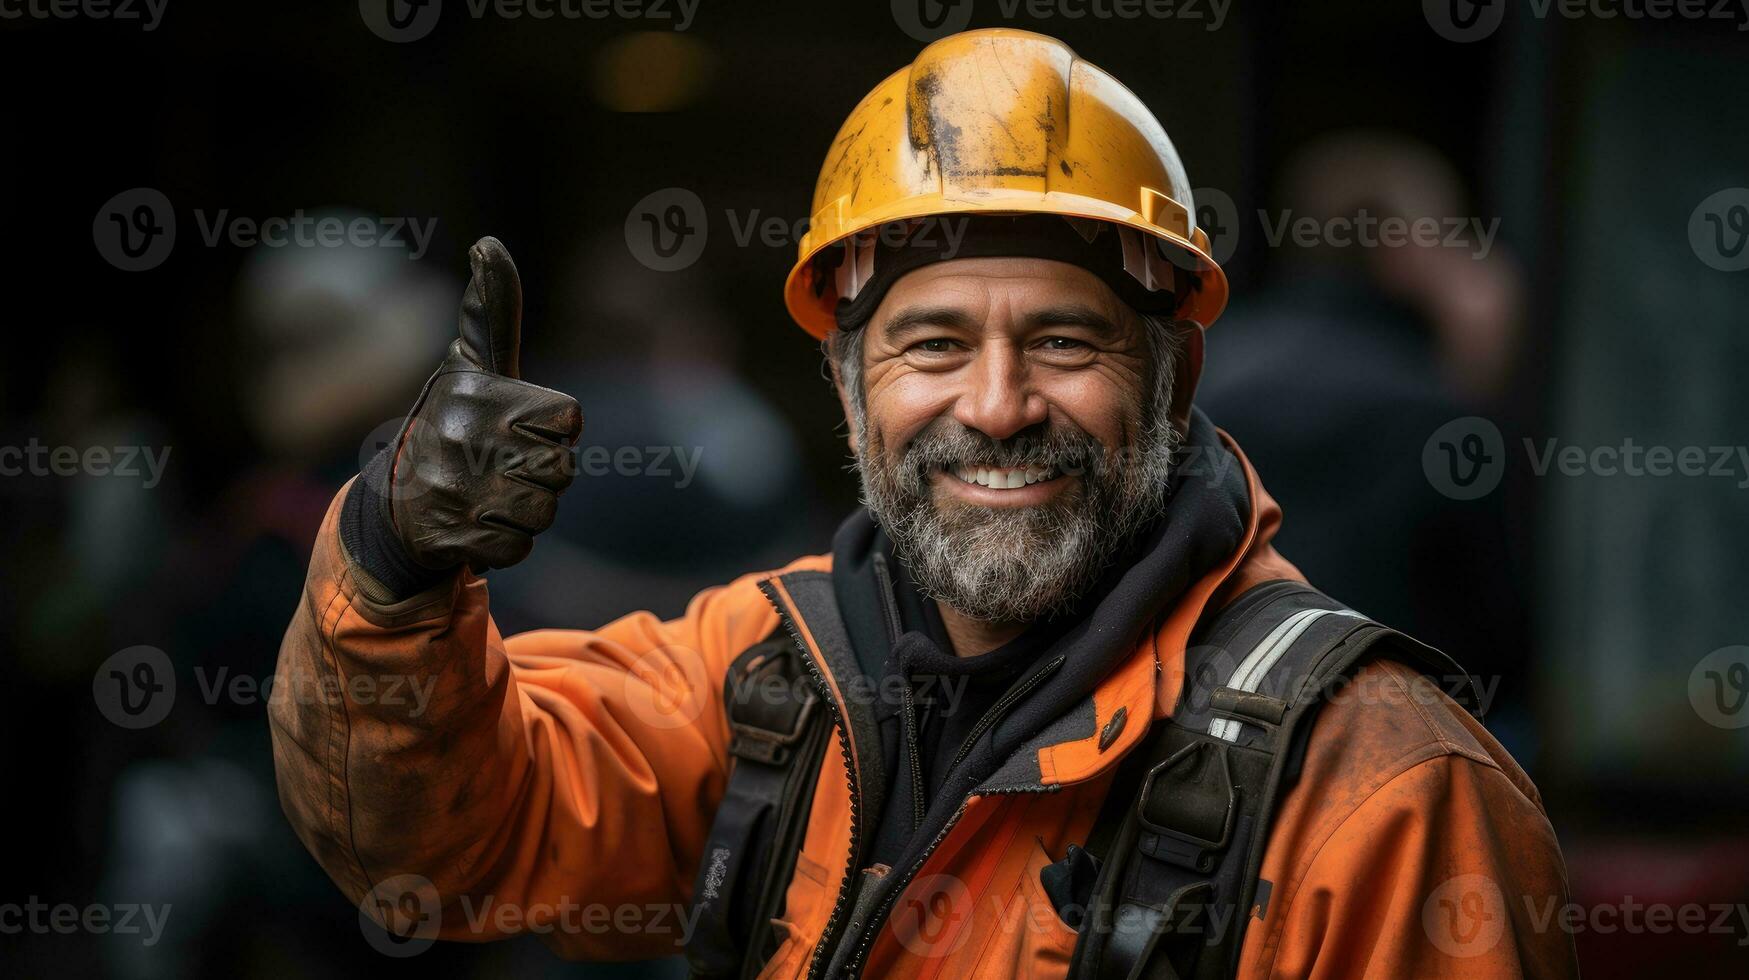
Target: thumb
x,y
491,318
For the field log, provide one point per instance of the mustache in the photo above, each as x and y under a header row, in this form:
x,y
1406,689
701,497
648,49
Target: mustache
x,y
946,442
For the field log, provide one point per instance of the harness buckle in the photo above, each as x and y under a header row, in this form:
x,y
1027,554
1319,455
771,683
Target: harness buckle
x,y
1187,807
769,708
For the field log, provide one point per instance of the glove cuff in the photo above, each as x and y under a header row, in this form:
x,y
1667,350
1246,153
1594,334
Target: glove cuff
x,y
368,533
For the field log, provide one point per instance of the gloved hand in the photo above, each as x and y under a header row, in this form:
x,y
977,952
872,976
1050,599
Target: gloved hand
x,y
478,466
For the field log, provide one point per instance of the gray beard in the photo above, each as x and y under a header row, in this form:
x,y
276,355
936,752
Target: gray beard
x,y
1018,565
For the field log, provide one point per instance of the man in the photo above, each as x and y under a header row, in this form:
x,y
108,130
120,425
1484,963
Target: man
x,y
969,741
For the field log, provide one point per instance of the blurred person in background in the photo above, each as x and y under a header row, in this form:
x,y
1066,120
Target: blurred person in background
x,y
87,550
1369,349
699,467
329,338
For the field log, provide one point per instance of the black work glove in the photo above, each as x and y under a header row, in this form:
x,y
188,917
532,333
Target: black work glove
x,y
477,468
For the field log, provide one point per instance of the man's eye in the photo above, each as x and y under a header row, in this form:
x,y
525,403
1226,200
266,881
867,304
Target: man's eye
x,y
934,345
1062,343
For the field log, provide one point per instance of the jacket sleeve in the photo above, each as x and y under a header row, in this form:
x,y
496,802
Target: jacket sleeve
x,y
559,782
1445,870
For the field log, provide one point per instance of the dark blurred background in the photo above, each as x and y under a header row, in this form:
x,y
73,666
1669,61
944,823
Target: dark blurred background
x,y
1399,401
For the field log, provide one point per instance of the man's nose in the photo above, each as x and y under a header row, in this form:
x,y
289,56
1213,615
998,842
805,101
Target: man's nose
x,y
999,399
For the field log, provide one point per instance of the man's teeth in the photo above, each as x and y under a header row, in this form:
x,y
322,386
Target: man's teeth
x,y
1005,477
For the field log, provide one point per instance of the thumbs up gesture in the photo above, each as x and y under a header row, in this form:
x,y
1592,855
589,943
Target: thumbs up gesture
x,y
478,467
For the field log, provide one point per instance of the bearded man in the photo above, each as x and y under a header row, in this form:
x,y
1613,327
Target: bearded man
x,y
1046,707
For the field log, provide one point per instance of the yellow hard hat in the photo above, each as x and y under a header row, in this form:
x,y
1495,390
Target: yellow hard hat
x,y
1002,121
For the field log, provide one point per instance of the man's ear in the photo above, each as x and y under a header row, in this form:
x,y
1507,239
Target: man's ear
x,y
1186,373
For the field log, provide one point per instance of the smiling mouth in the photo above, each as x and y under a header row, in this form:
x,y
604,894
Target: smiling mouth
x,y
1003,477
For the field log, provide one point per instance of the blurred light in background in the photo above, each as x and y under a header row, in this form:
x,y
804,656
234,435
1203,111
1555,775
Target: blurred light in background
x,y
651,71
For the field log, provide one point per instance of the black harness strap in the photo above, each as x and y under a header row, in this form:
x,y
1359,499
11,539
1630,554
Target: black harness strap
x,y
1193,803
778,735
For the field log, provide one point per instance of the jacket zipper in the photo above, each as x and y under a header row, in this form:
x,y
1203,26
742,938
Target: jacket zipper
x,y
908,701
899,884
834,921
907,698
1001,707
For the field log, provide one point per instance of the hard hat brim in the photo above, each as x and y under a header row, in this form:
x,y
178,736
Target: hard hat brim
x,y
812,303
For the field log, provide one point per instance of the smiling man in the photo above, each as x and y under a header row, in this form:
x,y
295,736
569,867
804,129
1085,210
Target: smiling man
x,y
1013,423
1045,709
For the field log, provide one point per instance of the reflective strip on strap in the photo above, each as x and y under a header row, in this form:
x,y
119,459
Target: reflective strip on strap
x,y
1257,664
